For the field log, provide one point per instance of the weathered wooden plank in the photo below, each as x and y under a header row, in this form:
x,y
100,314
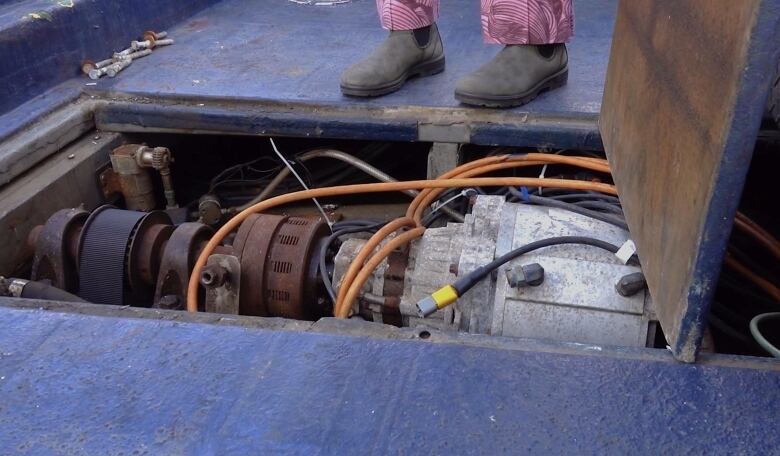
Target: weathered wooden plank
x,y
686,86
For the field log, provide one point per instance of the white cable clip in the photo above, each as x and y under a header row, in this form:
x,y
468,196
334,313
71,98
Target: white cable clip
x,y
541,176
626,251
438,205
544,170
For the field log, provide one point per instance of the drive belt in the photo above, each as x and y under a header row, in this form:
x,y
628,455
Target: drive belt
x,y
103,254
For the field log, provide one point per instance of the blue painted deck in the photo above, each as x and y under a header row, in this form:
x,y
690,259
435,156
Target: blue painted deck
x,y
274,68
85,384
239,58
44,42
78,383
291,53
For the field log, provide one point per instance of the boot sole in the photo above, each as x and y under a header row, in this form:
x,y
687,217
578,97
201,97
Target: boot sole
x,y
508,101
420,70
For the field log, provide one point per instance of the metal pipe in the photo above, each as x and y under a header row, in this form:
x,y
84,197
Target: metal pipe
x,y
170,195
160,159
346,158
374,299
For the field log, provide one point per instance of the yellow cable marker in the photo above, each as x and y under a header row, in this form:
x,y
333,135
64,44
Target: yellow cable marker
x,y
440,299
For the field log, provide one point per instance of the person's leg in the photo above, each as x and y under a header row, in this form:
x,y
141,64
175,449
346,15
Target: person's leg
x,y
413,48
534,58
527,21
407,14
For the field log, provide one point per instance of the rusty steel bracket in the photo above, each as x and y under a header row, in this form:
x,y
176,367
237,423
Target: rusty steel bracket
x,y
56,247
222,279
179,255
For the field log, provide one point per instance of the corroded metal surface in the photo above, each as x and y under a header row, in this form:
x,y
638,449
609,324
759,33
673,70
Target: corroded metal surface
x,y
277,259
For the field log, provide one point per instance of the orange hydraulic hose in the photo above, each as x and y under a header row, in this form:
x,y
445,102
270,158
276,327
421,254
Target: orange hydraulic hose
x,y
425,200
745,224
770,288
233,223
352,286
596,164
379,236
602,165
342,306
507,162
424,197
373,263
374,240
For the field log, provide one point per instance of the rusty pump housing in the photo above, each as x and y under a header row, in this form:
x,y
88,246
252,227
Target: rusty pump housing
x,y
122,257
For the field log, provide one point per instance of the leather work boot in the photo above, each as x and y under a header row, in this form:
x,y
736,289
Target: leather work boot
x,y
515,76
404,54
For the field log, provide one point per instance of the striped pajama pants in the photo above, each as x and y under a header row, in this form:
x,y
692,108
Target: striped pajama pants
x,y
503,21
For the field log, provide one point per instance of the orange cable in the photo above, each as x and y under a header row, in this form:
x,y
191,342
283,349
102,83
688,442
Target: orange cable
x,y
532,159
770,288
369,267
351,286
368,249
233,223
745,224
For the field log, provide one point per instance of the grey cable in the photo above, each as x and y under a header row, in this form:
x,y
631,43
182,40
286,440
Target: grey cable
x,y
600,205
303,184
342,228
543,201
346,158
584,196
760,339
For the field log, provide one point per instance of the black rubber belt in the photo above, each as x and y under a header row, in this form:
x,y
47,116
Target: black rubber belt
x,y
102,252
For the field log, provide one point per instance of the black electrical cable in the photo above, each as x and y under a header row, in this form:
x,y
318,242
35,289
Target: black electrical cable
x,y
548,191
585,196
734,318
600,205
227,173
736,285
340,229
297,163
465,283
245,179
432,217
729,331
606,218
543,201
361,223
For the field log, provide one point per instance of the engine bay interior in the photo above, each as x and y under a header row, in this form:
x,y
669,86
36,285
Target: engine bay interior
x,y
484,240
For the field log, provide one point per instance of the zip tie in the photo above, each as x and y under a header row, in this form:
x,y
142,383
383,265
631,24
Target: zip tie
x,y
541,176
437,205
626,251
544,170
303,184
